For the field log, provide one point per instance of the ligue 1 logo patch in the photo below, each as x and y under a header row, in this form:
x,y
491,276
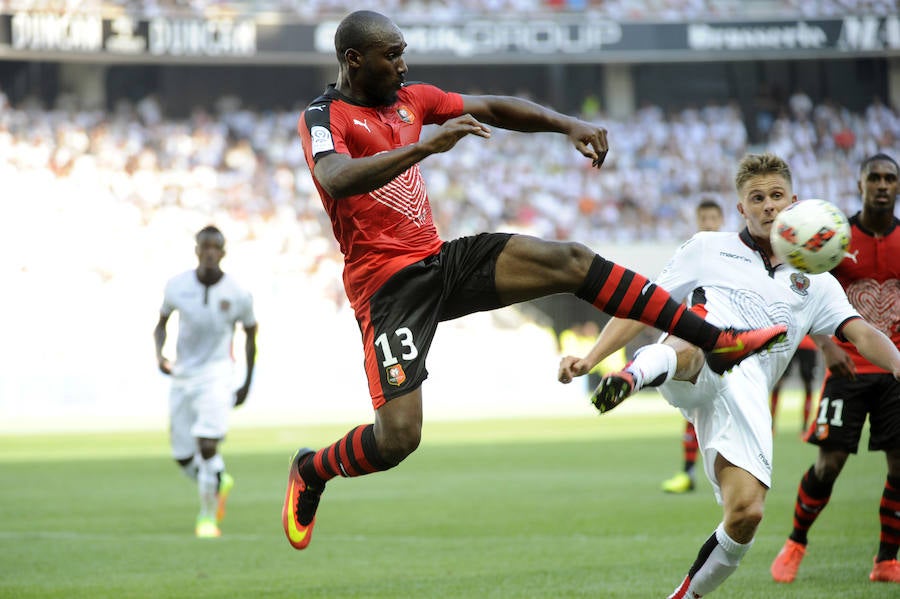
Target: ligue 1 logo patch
x,y
799,283
395,375
406,115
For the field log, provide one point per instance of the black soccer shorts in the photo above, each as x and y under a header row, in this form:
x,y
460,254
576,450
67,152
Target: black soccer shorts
x,y
844,406
402,316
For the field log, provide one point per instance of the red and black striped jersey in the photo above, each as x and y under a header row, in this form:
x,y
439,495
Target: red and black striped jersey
x,y
870,274
391,227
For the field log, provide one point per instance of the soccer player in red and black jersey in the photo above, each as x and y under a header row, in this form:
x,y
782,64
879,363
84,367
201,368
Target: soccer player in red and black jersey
x,y
854,387
362,143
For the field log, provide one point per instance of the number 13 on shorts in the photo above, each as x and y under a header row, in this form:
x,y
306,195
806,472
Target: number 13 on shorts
x,y
407,349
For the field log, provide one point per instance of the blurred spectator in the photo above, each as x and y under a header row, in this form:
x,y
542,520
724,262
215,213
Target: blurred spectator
x,y
446,10
131,173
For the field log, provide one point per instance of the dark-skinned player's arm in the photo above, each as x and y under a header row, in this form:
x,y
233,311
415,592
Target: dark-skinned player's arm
x,y
159,338
342,176
240,396
836,359
875,346
518,114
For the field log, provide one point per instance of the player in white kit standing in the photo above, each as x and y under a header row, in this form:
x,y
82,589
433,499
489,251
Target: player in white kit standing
x,y
735,280
209,304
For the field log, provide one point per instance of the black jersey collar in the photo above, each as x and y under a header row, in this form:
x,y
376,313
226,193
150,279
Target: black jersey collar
x,y
751,243
855,220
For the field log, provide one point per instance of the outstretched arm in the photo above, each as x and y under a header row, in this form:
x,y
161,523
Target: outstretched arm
x,y
617,333
519,114
875,346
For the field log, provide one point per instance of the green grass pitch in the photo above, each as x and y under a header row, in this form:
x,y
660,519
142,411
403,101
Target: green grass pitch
x,y
506,509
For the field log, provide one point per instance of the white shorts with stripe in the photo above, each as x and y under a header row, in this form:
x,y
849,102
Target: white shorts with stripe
x,y
732,418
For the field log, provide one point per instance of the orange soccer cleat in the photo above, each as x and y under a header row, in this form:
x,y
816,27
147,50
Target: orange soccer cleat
x,y
886,571
299,513
787,562
734,345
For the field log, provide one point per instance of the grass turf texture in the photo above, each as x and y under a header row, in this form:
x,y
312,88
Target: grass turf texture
x,y
515,508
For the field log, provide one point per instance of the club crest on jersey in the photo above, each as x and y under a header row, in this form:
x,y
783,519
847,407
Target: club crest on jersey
x,y
822,431
406,115
799,283
395,375
224,305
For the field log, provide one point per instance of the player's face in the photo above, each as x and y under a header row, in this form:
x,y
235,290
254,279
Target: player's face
x,y
382,70
210,251
878,186
761,199
709,219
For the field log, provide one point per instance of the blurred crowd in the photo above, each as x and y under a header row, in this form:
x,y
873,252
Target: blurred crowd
x,y
128,187
450,10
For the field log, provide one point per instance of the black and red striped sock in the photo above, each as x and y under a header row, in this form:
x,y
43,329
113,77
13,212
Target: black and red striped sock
x,y
691,447
812,497
889,514
355,454
616,290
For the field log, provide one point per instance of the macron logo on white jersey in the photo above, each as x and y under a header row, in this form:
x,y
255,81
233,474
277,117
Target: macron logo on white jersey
x,y
363,123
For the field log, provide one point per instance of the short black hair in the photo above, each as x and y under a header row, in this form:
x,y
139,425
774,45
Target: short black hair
x,y
209,230
707,203
876,158
358,30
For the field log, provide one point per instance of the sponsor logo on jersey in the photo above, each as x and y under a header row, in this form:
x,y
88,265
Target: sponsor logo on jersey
x,y
321,140
362,123
224,305
406,115
735,257
395,375
799,283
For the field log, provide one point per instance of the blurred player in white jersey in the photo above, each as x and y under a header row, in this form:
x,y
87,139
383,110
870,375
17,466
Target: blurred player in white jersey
x,y
735,279
209,304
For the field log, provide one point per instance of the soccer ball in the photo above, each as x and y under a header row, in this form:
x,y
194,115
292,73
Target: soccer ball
x,y
811,235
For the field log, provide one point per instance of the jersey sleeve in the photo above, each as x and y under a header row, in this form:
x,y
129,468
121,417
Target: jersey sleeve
x,y
681,275
168,303
247,317
321,131
437,105
835,309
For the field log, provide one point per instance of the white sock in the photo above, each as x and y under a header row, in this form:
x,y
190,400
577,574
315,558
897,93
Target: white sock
x,y
208,484
715,566
191,468
653,364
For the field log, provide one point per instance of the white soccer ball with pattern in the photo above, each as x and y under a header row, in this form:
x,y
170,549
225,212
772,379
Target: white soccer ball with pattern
x,y
811,235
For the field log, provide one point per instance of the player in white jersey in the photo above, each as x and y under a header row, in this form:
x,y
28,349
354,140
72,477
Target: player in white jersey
x,y
209,304
736,280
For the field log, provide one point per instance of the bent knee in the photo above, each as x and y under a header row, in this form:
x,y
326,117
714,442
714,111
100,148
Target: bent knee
x,y
397,443
743,521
